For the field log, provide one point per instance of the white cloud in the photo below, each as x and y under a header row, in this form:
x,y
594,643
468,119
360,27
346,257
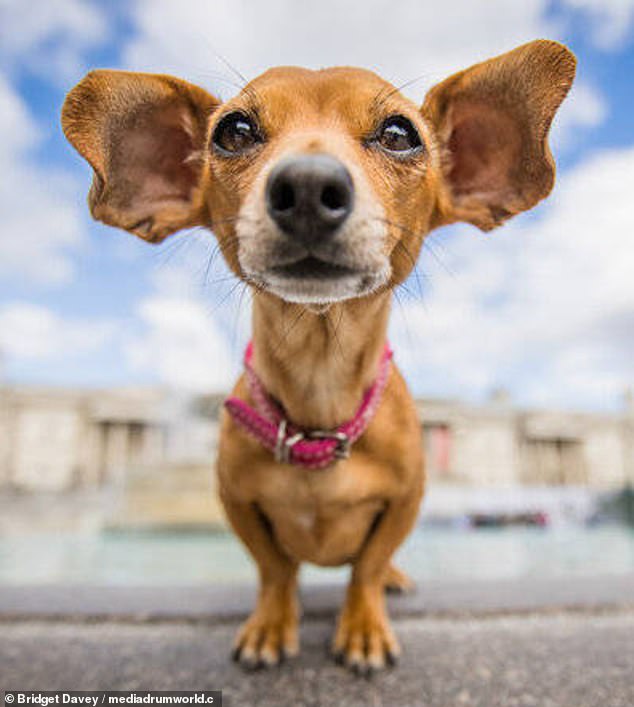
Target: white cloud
x,y
610,20
50,36
182,345
17,127
545,306
42,207
187,333
41,219
32,332
399,40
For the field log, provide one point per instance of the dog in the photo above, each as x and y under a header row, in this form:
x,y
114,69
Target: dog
x,y
320,187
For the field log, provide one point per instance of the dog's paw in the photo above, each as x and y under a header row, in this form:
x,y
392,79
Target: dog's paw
x,y
397,582
364,640
264,640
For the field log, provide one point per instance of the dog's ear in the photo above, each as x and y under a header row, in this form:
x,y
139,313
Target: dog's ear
x,y
144,136
492,123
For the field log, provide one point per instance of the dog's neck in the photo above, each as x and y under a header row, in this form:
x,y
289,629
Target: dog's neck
x,y
319,364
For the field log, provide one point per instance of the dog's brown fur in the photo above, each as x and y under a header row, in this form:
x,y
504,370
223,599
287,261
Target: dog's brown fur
x,y
486,159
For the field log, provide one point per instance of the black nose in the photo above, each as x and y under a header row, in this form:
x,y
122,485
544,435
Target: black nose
x,y
309,196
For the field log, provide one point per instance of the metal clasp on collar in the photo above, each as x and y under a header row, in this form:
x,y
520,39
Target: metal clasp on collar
x,y
284,445
342,450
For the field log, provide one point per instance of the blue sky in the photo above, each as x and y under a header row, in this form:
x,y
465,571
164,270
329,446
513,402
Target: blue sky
x,y
543,306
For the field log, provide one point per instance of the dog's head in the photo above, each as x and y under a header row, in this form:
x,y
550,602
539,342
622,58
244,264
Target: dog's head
x,y
320,185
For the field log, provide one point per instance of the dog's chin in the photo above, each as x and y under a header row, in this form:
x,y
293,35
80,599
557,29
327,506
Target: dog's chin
x,y
312,283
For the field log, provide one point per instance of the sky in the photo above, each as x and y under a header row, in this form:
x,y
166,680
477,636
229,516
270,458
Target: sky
x,y
543,307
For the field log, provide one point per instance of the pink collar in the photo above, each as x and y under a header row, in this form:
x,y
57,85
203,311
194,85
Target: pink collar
x,y
311,449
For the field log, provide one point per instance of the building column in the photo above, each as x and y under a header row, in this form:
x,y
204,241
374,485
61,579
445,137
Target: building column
x,y
116,453
92,455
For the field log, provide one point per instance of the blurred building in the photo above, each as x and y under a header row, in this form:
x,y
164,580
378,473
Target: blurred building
x,y
497,444
55,440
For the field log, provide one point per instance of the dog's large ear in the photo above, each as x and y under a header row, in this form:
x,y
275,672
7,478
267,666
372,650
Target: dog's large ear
x,y
492,122
143,135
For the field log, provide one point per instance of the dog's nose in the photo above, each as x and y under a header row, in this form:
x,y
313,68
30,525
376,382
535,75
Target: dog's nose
x,y
309,196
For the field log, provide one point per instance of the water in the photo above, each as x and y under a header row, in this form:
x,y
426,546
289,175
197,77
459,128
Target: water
x,y
218,559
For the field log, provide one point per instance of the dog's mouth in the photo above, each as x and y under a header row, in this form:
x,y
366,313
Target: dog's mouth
x,y
313,280
311,267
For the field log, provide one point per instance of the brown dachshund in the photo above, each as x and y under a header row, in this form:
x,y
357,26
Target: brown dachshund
x,y
320,187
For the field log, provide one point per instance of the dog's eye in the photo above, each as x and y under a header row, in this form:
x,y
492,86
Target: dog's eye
x,y
235,133
397,134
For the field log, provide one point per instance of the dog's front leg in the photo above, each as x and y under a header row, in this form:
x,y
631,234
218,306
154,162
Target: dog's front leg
x,y
364,639
270,633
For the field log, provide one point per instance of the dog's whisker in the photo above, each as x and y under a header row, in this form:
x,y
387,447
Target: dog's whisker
x,y
438,259
411,338
175,247
236,321
404,250
434,251
219,304
243,85
210,260
340,320
384,95
223,59
335,334
415,270
286,333
165,248
217,76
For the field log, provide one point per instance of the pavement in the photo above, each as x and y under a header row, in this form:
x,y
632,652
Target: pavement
x,y
508,644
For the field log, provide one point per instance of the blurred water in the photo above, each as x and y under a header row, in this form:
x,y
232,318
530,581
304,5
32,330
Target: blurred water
x,y
217,559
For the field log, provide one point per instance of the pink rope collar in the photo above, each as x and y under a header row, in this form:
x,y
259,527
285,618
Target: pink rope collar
x,y
311,449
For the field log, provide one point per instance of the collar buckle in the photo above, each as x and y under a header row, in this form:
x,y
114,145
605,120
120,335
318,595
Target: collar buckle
x,y
284,444
342,449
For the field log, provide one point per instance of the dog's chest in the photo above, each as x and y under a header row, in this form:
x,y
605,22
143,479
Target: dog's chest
x,y
320,519
305,518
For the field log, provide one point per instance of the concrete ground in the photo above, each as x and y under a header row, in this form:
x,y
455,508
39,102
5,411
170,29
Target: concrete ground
x,y
505,644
